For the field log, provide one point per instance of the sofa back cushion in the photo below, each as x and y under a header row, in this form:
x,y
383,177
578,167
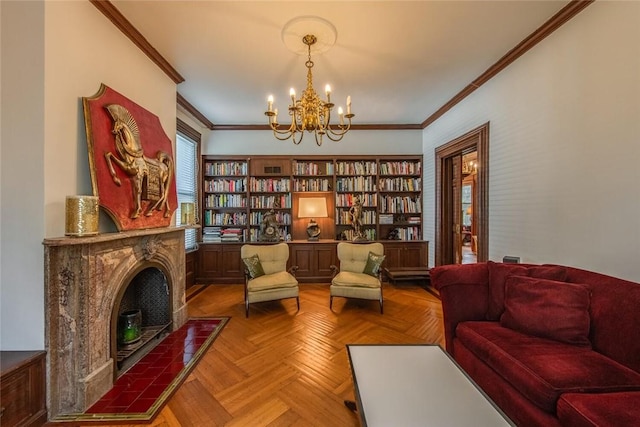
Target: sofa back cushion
x,y
499,273
615,315
548,309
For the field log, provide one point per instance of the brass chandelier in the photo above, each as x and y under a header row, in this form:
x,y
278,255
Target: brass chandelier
x,y
310,113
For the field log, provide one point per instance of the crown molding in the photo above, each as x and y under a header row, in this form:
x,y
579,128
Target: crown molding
x,y
118,19
556,21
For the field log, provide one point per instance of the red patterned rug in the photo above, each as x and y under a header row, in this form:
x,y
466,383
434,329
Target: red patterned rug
x,y
141,392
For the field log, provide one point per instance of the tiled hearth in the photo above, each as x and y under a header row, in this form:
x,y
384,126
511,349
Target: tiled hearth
x,y
86,278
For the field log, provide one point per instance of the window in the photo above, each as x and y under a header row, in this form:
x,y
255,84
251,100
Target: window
x,y
187,141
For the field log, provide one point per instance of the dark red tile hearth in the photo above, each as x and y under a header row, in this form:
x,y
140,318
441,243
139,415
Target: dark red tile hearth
x,y
138,389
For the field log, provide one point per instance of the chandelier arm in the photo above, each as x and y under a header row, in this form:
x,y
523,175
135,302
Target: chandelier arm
x,y
293,138
318,142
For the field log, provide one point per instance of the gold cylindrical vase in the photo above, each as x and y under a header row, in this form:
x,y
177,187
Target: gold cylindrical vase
x,y
81,213
188,214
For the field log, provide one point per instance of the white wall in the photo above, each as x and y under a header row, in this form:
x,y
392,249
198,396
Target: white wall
x,y
71,49
354,142
564,146
22,172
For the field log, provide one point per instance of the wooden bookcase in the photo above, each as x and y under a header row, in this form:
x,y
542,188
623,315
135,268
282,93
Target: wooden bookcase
x,y
237,191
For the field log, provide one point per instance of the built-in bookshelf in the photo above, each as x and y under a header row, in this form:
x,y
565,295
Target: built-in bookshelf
x,y
238,191
224,200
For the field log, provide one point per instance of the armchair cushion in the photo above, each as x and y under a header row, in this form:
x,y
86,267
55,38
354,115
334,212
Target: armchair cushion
x,y
349,278
372,267
254,267
281,279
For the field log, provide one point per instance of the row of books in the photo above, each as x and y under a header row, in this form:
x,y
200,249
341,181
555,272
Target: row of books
x,y
268,202
270,184
255,218
226,185
227,218
356,168
312,184
226,168
389,204
400,168
408,233
225,201
367,217
369,233
312,168
356,183
219,234
400,184
346,200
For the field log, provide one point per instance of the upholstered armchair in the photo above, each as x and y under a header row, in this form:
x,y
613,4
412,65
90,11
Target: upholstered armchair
x,y
266,275
359,275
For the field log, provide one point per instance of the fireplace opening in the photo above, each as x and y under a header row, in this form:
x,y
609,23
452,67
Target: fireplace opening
x,y
141,319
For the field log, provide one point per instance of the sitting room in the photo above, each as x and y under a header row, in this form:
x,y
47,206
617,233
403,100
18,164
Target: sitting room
x,y
272,213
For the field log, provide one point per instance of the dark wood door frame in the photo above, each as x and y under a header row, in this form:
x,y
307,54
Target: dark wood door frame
x,y
477,138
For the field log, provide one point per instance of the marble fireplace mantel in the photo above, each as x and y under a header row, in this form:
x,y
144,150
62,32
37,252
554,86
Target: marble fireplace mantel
x,y
84,279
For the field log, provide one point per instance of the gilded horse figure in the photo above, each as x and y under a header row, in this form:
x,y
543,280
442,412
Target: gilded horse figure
x,y
151,178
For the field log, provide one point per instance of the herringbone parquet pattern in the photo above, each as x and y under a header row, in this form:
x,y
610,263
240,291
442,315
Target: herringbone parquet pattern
x,y
281,367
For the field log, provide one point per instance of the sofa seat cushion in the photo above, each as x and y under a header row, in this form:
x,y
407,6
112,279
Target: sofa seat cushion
x,y
360,280
599,409
542,369
281,279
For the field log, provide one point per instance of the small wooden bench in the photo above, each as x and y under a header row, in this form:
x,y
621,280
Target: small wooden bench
x,y
398,274
418,274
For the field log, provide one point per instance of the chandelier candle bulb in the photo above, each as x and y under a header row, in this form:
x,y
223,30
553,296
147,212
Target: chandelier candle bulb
x,y
270,103
341,114
292,92
349,104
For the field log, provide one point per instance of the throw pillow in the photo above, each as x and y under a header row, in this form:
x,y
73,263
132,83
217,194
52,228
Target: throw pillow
x,y
372,267
548,309
499,273
254,267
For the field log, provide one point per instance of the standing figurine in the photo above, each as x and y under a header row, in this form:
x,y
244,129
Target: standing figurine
x,y
355,213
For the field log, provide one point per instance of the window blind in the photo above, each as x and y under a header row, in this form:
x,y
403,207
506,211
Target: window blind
x,y
186,179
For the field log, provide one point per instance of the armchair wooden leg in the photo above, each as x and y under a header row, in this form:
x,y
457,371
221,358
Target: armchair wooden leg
x,y
381,305
298,302
331,302
246,308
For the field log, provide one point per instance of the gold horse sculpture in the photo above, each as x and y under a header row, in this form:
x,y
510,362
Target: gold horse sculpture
x,y
150,178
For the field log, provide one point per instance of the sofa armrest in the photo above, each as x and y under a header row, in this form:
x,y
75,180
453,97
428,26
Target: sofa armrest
x,y
464,291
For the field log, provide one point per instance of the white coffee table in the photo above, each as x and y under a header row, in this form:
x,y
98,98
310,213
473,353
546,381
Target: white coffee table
x,y
417,385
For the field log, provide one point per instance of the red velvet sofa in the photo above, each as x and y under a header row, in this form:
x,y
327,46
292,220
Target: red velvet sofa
x,y
551,345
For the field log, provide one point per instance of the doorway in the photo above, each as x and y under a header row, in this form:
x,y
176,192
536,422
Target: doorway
x,y
462,196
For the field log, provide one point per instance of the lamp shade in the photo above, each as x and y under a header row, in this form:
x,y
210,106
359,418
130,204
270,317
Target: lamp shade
x,y
312,207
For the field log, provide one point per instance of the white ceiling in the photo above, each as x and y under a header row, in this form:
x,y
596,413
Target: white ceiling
x,y
398,60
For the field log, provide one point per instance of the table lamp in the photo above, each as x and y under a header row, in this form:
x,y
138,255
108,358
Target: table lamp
x,y
312,207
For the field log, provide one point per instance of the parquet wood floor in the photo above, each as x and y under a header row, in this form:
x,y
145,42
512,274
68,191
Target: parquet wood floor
x,y
281,367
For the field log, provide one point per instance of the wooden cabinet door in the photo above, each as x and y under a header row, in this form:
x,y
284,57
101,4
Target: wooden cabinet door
x,y
232,266
405,254
313,260
393,255
325,256
210,262
302,256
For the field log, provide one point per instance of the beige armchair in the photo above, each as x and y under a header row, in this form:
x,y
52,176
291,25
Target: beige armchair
x,y
351,280
266,275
